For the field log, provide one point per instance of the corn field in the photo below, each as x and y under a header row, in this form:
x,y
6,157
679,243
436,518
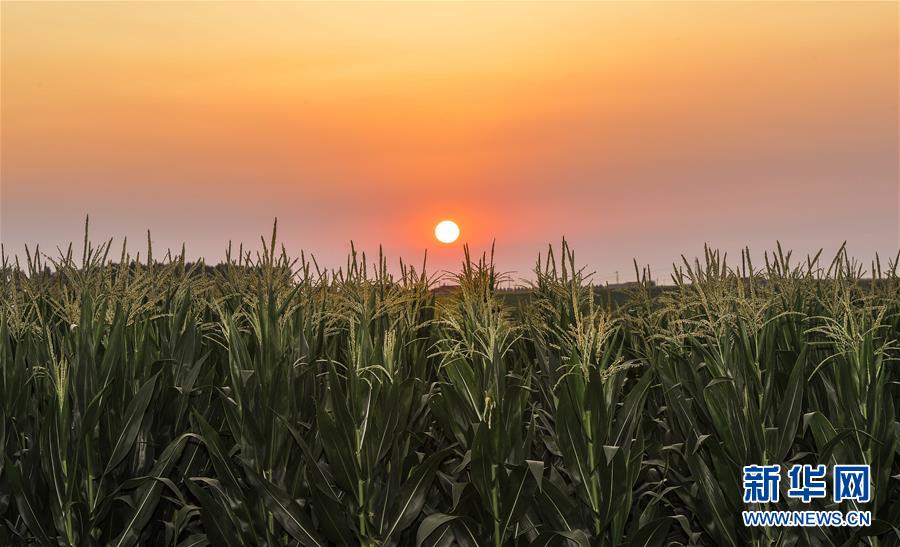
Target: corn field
x,y
267,402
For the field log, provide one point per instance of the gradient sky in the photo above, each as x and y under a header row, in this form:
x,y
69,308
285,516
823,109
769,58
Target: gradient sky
x,y
635,129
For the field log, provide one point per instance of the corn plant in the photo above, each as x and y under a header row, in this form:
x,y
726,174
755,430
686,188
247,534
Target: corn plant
x,y
146,400
595,420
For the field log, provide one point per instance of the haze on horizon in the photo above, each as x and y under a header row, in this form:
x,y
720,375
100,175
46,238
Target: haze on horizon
x,y
634,129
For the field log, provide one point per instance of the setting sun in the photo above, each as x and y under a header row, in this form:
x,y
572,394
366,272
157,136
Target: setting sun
x,y
446,231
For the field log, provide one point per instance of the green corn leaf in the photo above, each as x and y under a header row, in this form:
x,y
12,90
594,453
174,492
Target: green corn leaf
x,y
286,510
789,411
218,518
195,540
148,494
30,512
134,416
411,497
432,524
652,534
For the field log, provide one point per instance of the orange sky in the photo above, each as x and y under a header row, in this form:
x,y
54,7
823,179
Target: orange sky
x,y
635,129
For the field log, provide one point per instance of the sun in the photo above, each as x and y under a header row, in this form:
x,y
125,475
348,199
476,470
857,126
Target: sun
x,y
446,231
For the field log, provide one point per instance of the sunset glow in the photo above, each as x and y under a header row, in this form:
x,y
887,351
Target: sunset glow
x,y
633,128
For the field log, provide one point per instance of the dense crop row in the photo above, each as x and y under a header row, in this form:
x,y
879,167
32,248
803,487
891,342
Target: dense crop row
x,y
265,403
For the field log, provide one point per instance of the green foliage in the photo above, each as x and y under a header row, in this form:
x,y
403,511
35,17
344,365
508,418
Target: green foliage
x,y
268,402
